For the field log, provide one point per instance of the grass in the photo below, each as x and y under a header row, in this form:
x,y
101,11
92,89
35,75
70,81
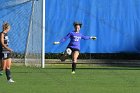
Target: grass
x,y
58,79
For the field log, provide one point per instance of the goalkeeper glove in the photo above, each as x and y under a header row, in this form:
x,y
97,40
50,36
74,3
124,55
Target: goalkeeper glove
x,y
93,37
55,43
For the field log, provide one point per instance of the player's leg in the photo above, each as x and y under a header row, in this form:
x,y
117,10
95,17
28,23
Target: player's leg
x,y
8,72
1,65
4,64
67,52
7,66
1,68
75,55
63,57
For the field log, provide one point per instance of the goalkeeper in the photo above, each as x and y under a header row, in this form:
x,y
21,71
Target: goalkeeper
x,y
74,45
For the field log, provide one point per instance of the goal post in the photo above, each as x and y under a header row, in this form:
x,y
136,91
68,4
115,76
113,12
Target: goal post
x,y
35,47
43,35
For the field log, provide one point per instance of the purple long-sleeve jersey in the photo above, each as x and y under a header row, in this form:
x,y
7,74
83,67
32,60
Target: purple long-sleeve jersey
x,y
74,39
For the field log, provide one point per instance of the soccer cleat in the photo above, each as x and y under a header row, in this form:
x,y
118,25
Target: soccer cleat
x,y
11,81
73,72
63,58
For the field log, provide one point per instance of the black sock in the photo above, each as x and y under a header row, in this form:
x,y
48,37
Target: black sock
x,y
8,74
73,66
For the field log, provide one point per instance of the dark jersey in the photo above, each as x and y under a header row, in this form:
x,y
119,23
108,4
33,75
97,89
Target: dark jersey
x,y
6,42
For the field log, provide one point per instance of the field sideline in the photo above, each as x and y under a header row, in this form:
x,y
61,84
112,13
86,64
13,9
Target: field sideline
x,y
58,79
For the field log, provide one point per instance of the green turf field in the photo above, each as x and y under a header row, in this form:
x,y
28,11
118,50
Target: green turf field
x,y
58,79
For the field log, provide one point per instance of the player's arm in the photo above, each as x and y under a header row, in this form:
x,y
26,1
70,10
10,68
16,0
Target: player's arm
x,y
63,39
88,37
2,42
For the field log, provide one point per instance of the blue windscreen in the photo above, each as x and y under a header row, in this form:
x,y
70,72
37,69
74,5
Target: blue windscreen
x,y
115,23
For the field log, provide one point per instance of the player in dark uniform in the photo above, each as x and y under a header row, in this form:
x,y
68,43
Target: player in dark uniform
x,y
5,51
74,45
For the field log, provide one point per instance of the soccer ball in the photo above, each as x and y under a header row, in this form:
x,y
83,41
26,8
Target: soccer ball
x,y
68,51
